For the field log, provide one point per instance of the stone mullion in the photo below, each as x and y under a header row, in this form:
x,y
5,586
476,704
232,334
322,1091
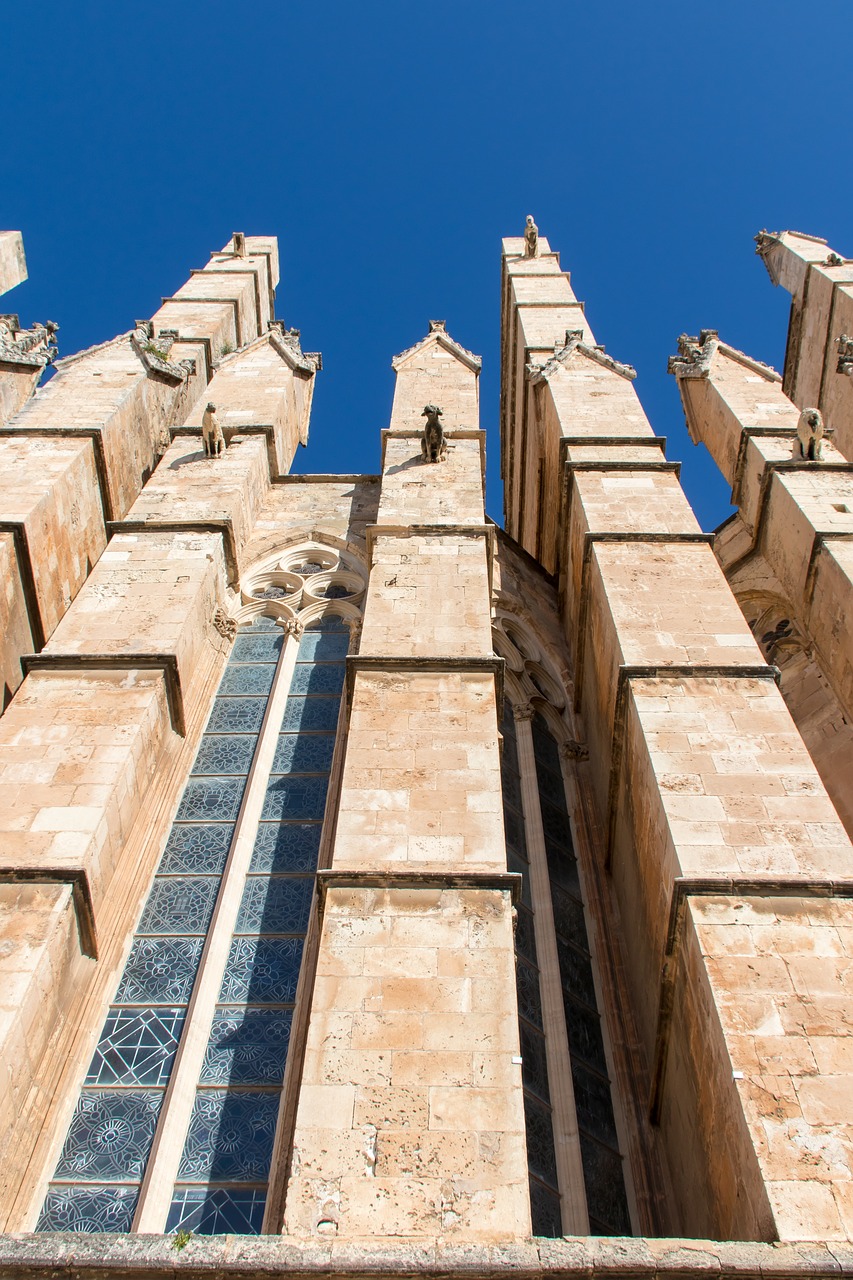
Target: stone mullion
x,y
161,1172
564,1113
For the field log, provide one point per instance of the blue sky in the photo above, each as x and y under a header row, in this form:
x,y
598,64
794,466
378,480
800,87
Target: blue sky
x,y
390,145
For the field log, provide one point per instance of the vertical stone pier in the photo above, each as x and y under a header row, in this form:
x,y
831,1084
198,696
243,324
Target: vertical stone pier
x,y
410,1120
728,861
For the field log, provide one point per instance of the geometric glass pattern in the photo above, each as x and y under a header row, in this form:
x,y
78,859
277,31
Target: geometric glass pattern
x,y
96,1183
236,1211
602,1163
225,1162
541,1157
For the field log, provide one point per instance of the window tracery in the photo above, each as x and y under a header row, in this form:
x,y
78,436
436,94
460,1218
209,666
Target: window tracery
x,y
191,1059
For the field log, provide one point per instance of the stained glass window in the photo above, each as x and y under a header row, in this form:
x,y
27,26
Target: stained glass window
x,y
541,1158
225,1161
604,1180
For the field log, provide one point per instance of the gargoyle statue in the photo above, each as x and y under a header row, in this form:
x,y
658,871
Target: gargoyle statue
x,y
211,433
809,435
531,238
433,442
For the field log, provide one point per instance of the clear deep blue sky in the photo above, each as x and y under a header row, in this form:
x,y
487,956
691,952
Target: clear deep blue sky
x,y
390,145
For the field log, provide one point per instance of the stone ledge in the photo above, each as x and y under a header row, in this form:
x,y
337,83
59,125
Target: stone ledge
x,y
63,1256
165,662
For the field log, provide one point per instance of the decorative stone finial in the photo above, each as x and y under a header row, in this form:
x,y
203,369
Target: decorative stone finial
x,y
438,326
239,243
433,442
211,433
694,354
810,431
834,260
35,347
765,241
531,238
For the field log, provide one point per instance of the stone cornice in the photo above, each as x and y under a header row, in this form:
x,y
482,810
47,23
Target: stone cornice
x,y
33,348
154,352
575,343
438,336
696,354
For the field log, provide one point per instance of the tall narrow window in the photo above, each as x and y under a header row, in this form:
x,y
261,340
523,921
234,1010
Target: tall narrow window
x,y
541,1157
604,1180
231,1126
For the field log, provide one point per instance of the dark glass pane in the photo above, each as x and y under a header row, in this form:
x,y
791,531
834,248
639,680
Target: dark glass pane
x,y
211,799
545,1210
331,622
585,1035
593,1104
280,904
605,1188
272,592
304,753
208,1212
179,904
137,1046
225,753
544,747
286,847
247,1047
563,868
569,917
261,971
511,786
110,1136
336,591
160,971
534,1068
230,1137
247,679
525,940
541,1159
555,824
196,849
323,646
514,830
261,648
551,788
236,715
527,987
519,867
88,1208
323,678
576,973
294,796
307,714
309,567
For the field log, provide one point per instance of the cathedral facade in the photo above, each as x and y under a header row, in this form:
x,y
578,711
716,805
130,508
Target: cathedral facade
x,y
384,891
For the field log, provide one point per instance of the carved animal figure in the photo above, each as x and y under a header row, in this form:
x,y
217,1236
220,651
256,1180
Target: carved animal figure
x,y
433,442
531,238
211,433
809,435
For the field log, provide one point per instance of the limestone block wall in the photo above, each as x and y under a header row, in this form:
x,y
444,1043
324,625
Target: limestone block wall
x,y
15,624
13,262
698,772
410,1121
786,551
817,367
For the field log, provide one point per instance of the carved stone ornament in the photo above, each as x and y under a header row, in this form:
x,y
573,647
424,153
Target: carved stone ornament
x,y
810,431
531,238
523,711
154,352
238,241
765,241
225,625
844,343
433,442
574,751
575,343
354,625
34,347
834,260
694,355
211,433
293,627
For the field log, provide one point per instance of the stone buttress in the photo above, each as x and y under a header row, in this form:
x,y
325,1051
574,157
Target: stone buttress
x,y
410,1122
729,863
123,547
